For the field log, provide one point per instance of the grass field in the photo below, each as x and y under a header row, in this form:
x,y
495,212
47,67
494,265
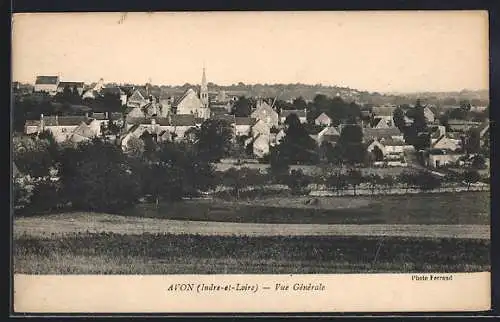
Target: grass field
x,y
89,243
109,253
472,208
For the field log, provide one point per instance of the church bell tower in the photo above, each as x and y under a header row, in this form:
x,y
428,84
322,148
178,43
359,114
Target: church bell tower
x,y
204,89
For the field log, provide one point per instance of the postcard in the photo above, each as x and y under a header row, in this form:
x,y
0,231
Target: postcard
x,y
250,162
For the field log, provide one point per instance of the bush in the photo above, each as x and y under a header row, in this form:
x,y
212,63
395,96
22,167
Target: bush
x,y
297,181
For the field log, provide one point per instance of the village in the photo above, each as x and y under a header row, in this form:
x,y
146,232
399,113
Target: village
x,y
225,148
140,113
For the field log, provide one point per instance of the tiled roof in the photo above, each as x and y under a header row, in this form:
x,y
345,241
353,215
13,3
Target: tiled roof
x,y
46,80
179,99
32,123
183,120
71,120
138,120
370,133
112,91
244,121
299,113
84,130
383,110
225,117
71,84
116,116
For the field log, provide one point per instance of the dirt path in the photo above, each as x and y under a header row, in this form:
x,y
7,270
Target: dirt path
x,y
83,222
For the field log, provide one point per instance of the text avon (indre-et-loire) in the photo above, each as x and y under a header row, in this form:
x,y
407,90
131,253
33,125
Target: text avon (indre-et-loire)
x,y
245,287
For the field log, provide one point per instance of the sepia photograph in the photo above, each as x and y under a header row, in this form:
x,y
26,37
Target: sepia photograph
x,y
251,143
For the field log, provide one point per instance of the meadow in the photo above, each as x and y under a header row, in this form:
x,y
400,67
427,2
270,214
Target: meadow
x,y
111,253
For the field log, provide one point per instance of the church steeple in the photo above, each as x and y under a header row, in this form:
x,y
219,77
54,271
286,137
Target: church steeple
x,y
204,89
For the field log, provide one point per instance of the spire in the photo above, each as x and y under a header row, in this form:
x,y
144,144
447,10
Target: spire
x,y
204,89
203,80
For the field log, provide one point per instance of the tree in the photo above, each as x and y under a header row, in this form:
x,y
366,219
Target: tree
x,y
398,117
470,177
373,181
297,181
96,176
427,181
214,139
297,146
299,103
473,142
242,107
279,165
350,146
407,178
354,178
336,180
34,157
378,154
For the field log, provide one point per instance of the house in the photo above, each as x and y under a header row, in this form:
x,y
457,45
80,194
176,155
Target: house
x,y
374,133
437,158
190,104
323,119
140,97
261,145
47,84
243,125
85,132
484,133
278,138
383,122
260,127
375,144
62,127
301,114
461,125
447,143
329,134
430,114
395,147
79,86
265,113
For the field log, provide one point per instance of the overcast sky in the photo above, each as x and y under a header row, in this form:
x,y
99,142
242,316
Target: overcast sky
x,y
374,51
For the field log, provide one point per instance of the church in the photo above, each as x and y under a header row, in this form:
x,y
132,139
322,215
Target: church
x,y
194,103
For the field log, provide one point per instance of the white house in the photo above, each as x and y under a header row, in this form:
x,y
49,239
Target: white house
x,y
243,125
47,84
261,145
189,103
260,128
446,143
328,134
265,113
301,114
323,119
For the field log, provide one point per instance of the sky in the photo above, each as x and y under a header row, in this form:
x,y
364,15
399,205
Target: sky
x,y
398,51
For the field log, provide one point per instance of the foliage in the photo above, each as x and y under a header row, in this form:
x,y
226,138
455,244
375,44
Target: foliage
x,y
96,176
470,176
297,181
214,139
242,107
297,146
350,147
34,156
354,178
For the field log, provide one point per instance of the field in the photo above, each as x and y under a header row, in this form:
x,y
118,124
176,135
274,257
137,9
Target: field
x,y
421,233
445,208
109,253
